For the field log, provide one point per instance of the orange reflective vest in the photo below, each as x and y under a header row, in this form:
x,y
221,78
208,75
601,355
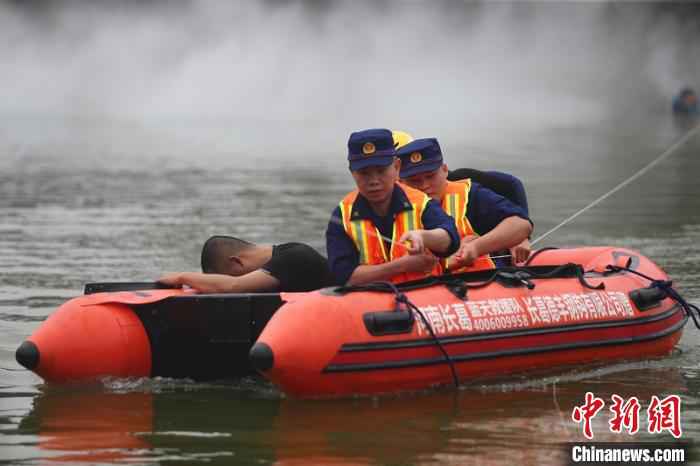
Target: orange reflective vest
x,y
368,241
455,203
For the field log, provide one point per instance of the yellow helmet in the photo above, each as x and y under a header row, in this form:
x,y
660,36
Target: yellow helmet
x,y
401,138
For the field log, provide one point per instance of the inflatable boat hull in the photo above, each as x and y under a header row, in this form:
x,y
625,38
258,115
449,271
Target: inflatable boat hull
x,y
336,344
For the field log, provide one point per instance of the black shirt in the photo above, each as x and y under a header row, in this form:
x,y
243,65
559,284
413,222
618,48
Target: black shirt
x,y
298,267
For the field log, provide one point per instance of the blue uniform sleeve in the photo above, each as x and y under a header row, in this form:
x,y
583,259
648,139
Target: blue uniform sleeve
x,y
343,257
501,183
515,192
487,209
435,217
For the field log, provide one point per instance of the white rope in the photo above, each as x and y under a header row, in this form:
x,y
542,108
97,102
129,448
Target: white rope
x,y
641,172
337,221
375,233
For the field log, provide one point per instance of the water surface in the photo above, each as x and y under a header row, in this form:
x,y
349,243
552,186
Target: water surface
x,y
69,221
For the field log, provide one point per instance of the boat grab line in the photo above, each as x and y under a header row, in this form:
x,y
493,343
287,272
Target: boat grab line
x,y
361,367
451,340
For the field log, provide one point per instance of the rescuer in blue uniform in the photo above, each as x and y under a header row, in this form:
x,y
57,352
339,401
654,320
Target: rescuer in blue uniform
x,y
491,222
383,230
501,183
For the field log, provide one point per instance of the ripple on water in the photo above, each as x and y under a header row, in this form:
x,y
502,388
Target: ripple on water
x,y
36,301
21,317
179,433
253,386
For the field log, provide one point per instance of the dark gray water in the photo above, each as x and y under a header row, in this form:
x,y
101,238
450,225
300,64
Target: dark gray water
x,y
130,132
64,224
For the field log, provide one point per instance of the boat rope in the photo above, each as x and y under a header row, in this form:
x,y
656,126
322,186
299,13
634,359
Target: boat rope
x,y
388,241
523,276
511,276
537,253
458,285
402,299
686,137
691,310
375,233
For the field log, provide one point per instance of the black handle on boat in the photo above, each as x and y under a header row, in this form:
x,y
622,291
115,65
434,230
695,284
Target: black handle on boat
x,y
647,298
389,322
91,288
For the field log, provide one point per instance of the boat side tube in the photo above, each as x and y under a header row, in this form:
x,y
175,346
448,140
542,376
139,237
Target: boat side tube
x,y
141,333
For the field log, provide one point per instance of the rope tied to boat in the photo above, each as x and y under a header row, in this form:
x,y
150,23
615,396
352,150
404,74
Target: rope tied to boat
x,y
523,276
666,286
665,154
458,284
401,299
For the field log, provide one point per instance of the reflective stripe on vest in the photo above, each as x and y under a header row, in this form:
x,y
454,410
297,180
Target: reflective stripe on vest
x,y
368,241
455,203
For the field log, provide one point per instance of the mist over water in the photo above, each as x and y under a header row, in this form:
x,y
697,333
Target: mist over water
x,y
201,79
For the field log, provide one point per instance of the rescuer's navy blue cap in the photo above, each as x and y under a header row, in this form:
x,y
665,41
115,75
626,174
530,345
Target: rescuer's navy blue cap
x,y
371,147
420,156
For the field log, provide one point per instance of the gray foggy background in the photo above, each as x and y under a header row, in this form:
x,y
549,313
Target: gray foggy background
x,y
206,80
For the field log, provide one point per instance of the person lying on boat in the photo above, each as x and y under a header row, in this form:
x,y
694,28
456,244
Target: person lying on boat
x,y
686,102
383,230
501,183
487,222
232,265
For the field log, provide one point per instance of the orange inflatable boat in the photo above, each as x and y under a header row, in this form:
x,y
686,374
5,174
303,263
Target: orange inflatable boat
x,y
568,307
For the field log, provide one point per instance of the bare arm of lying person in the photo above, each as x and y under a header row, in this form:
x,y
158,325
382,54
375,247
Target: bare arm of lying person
x,y
258,280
